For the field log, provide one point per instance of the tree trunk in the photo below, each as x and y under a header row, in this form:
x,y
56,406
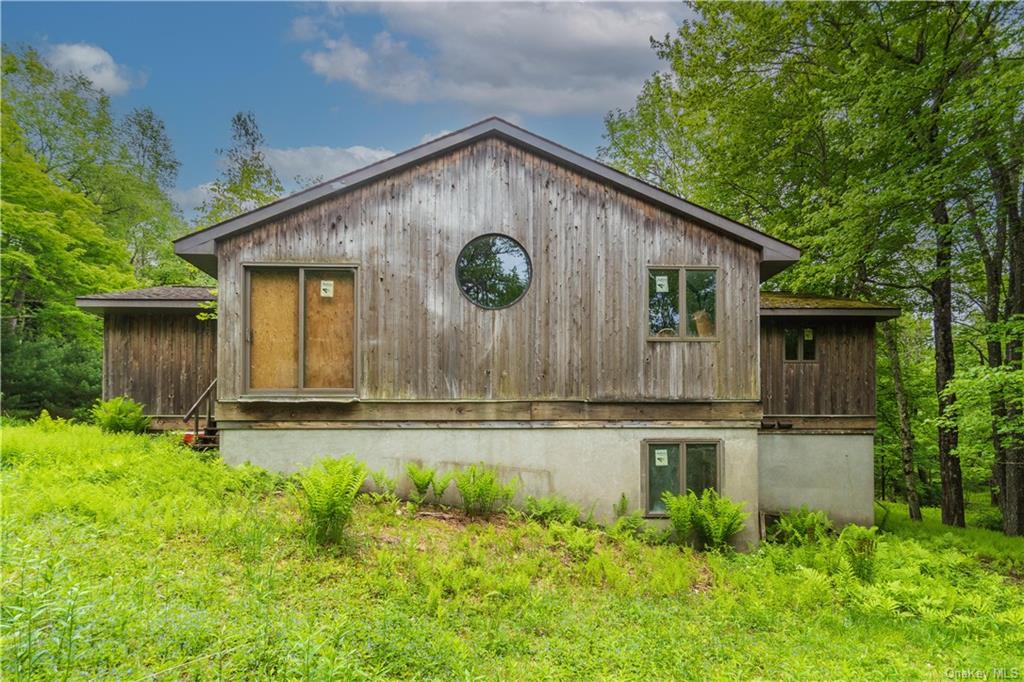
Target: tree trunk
x,y
906,437
945,365
1013,487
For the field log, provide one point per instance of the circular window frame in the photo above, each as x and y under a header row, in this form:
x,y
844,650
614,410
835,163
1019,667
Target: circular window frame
x,y
529,264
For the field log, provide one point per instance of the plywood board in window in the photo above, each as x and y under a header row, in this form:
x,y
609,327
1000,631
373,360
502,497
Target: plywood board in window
x,y
274,324
329,331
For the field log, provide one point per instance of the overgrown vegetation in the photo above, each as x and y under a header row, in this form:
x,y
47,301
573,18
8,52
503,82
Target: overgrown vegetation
x,y
120,415
482,490
710,519
216,577
327,493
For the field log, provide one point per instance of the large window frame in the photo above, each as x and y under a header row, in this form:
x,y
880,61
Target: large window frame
x,y
681,303
681,443
301,267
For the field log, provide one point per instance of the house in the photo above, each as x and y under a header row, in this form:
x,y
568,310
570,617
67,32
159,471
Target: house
x,y
491,296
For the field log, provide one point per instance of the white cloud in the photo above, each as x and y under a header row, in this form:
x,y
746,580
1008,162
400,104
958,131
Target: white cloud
x,y
96,64
532,58
320,162
307,163
305,29
433,136
190,198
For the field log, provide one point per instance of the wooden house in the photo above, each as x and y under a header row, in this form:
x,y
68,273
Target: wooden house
x,y
491,296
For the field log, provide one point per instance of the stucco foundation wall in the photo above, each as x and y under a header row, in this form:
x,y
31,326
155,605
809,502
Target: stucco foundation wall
x,y
590,466
833,473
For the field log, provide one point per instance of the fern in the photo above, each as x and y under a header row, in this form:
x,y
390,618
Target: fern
x,y
858,546
482,491
327,493
716,519
680,509
546,510
422,479
440,484
119,415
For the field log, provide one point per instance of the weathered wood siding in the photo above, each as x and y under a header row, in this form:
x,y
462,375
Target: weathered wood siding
x,y
840,382
163,361
578,333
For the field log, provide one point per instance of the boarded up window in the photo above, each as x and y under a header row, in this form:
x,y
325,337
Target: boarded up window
x,y
274,329
329,329
301,343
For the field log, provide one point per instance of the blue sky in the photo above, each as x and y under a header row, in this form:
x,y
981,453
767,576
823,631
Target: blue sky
x,y
337,86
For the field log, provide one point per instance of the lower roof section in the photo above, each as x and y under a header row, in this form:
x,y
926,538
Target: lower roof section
x,y
782,304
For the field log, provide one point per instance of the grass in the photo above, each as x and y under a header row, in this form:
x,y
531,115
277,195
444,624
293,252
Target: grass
x,y
128,557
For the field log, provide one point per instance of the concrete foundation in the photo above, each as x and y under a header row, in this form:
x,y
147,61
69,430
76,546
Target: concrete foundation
x,y
589,466
833,473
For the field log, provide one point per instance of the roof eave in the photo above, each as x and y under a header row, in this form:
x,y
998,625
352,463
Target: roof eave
x,y
877,313
98,306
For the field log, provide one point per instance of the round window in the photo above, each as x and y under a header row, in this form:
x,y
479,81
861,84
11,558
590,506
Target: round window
x,y
493,271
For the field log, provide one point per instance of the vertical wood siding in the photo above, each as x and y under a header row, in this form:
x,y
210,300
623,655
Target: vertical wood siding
x,y
163,361
578,333
840,382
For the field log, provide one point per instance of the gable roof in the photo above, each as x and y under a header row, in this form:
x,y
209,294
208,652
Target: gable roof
x,y
783,304
199,248
166,298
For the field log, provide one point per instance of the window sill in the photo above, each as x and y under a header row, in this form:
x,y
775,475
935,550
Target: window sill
x,y
298,398
655,515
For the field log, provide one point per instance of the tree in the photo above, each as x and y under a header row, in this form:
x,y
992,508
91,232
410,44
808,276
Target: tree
x,y
247,181
124,167
856,131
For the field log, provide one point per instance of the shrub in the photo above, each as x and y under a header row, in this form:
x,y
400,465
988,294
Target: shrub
x,y
800,527
421,478
680,509
328,493
440,484
858,545
482,491
120,415
551,509
716,519
578,542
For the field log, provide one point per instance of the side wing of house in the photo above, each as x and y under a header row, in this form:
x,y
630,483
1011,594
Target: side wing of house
x,y
155,350
818,391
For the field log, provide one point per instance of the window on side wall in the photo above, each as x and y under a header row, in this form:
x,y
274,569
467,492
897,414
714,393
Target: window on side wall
x,y
682,303
676,467
799,344
300,329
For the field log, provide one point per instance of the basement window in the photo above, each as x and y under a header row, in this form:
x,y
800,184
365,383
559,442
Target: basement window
x,y
682,304
300,330
676,467
799,344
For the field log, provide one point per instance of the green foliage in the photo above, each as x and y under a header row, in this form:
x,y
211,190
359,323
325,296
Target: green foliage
x,y
800,527
422,478
551,509
50,373
858,546
681,511
247,180
716,519
440,484
120,415
328,492
482,491
216,579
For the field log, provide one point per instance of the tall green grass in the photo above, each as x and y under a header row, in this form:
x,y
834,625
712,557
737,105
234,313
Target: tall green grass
x,y
129,557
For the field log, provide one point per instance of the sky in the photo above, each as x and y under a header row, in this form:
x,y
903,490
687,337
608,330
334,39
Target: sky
x,y
337,86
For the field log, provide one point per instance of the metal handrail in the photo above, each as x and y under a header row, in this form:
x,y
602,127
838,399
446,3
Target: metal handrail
x,y
195,407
